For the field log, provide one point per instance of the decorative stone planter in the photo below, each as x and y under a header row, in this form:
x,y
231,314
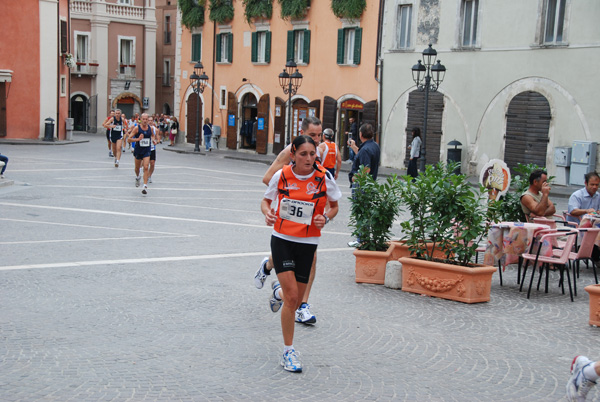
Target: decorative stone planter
x,y
370,265
400,249
594,292
447,281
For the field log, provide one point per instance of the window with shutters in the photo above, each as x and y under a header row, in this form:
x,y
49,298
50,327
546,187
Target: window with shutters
x,y
261,47
298,46
166,73
403,26
196,47
224,47
167,33
469,23
349,46
554,22
64,35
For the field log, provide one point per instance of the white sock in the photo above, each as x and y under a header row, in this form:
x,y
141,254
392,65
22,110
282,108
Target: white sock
x,y
287,348
278,294
137,177
590,372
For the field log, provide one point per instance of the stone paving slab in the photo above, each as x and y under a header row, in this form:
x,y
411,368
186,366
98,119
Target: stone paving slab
x,y
108,295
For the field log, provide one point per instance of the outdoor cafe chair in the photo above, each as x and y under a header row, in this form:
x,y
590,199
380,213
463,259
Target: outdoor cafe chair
x,y
584,252
559,261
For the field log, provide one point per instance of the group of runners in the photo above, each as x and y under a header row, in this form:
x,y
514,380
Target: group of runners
x,y
142,135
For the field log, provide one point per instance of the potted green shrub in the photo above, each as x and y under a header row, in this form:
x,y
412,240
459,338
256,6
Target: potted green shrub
x,y
448,216
374,207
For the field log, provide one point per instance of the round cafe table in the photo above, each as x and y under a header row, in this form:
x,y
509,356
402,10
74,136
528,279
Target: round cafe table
x,y
591,221
507,241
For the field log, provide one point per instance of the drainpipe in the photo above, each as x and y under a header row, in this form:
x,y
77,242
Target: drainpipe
x,y
214,61
379,62
69,47
58,73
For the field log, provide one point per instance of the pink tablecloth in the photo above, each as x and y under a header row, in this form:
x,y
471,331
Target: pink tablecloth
x,y
589,221
509,240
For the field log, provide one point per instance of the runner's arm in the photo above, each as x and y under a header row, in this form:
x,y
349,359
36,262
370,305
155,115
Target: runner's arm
x,y
282,159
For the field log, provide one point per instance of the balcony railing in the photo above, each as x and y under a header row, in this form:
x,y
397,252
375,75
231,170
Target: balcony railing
x,y
85,67
127,71
116,11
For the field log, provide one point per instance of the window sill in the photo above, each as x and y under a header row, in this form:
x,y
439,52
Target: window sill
x,y
348,65
260,63
466,49
403,50
224,62
550,45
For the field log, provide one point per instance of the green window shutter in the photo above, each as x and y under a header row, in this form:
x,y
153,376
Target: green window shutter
x,y
230,47
357,44
218,48
196,47
290,46
268,48
306,50
340,46
254,56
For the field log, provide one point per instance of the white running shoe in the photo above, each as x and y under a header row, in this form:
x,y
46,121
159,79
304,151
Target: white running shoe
x,y
353,243
150,179
274,302
110,154
261,276
145,189
304,316
290,362
138,180
116,163
579,386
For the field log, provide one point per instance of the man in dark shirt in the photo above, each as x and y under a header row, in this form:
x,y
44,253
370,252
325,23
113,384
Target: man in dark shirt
x,y
366,155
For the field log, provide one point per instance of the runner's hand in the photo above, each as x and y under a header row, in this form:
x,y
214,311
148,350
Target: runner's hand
x,y
271,217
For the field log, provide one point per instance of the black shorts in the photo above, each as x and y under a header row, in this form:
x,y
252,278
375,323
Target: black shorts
x,y
292,256
108,135
153,155
116,136
141,152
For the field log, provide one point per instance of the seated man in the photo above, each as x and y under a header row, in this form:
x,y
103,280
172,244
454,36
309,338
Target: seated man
x,y
585,200
535,201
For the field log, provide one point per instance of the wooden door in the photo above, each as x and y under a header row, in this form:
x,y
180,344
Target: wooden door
x,y
3,118
370,116
416,114
263,135
527,124
194,110
279,127
231,121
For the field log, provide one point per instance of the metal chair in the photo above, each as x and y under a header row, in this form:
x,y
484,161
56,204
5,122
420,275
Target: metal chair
x,y
584,252
559,261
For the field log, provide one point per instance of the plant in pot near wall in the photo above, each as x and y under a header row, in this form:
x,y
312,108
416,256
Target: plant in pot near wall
x,y
373,208
448,216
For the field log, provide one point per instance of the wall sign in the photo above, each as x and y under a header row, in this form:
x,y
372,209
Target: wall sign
x,y
261,123
352,104
231,120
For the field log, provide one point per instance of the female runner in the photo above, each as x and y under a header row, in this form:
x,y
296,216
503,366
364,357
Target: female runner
x,y
299,194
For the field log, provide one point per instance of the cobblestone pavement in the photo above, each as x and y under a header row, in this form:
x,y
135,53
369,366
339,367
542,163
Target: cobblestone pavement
x,y
108,295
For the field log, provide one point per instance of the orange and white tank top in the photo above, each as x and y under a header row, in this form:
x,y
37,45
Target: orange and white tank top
x,y
298,202
330,155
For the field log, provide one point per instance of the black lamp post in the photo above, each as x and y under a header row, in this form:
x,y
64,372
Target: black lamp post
x,y
427,77
290,81
198,80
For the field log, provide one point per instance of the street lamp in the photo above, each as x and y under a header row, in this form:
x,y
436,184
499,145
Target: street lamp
x,y
198,80
427,77
290,81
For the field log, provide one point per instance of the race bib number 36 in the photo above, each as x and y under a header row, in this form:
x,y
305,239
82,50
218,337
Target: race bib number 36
x,y
296,211
145,142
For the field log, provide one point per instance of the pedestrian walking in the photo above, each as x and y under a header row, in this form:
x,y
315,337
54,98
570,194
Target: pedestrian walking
x,y
415,152
295,205
207,129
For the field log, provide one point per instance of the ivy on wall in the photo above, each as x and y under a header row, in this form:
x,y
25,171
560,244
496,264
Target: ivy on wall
x,y
221,10
258,9
351,9
293,8
192,13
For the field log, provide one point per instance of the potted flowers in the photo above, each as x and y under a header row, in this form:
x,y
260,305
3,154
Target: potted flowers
x,y
374,206
447,215
70,60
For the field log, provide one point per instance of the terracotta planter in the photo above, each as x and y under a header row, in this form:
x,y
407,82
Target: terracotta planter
x,y
447,281
401,250
594,291
370,265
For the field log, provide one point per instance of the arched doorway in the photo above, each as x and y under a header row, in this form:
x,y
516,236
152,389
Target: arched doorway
x,y
193,125
527,124
79,109
248,127
415,118
126,105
